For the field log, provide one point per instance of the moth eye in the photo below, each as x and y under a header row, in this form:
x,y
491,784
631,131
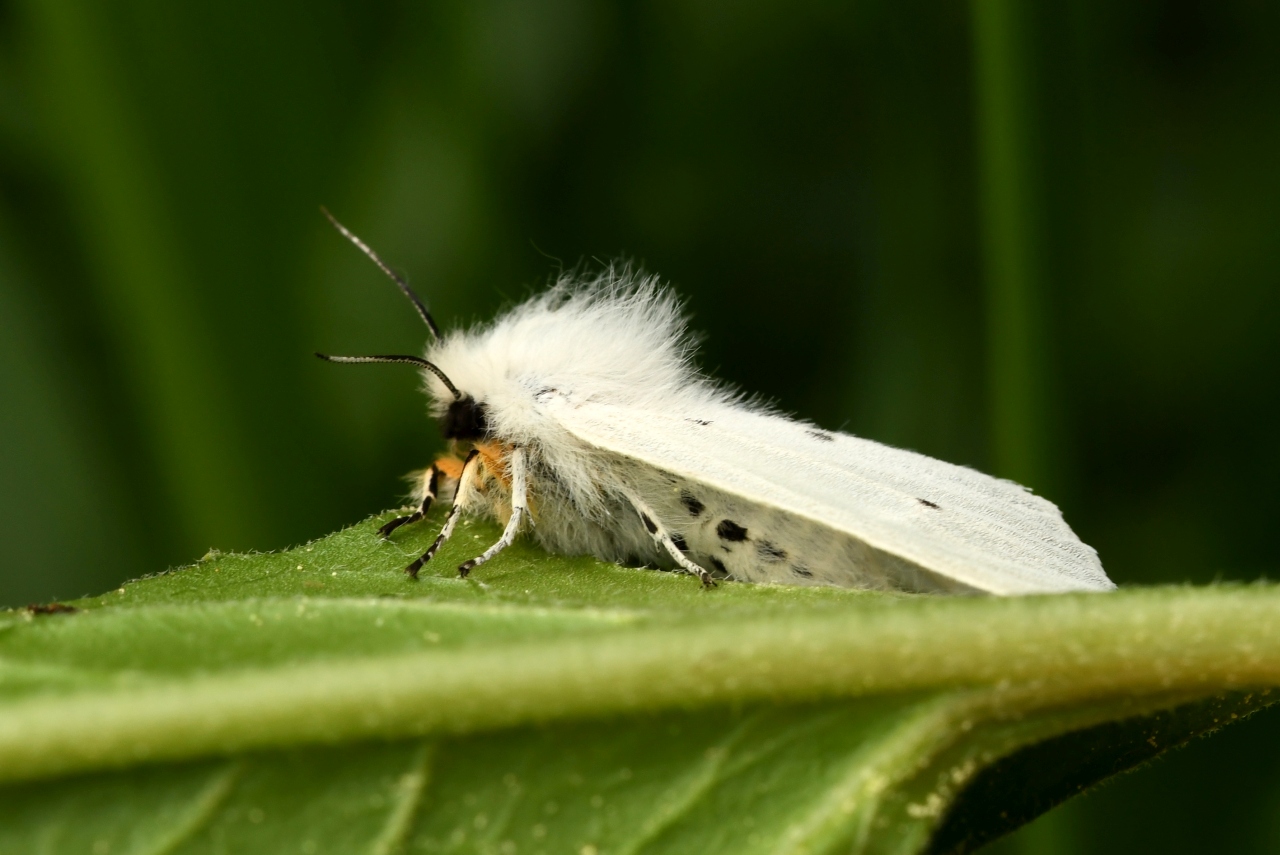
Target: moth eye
x,y
466,419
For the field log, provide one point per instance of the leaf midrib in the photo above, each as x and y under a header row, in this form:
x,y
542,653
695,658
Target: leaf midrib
x,y
1051,650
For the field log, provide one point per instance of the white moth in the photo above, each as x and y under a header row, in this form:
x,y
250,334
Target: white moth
x,y
585,423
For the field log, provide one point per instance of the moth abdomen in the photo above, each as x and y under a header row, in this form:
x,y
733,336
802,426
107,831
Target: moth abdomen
x,y
769,552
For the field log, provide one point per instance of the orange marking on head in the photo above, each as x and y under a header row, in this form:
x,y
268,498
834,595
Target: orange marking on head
x,y
493,456
450,467
493,464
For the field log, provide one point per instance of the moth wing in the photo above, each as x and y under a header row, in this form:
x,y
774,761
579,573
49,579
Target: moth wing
x,y
987,533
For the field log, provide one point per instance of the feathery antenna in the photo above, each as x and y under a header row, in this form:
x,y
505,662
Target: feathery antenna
x,y
391,274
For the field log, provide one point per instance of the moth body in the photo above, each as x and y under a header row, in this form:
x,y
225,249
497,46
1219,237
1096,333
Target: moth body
x,y
578,418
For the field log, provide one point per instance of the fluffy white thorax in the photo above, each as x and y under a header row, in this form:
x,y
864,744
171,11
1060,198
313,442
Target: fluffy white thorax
x,y
618,337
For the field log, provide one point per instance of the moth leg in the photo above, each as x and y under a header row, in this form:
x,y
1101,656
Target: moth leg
x,y
663,539
428,496
460,495
519,509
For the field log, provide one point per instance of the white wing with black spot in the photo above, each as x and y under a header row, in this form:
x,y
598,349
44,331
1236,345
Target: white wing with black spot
x,y
982,532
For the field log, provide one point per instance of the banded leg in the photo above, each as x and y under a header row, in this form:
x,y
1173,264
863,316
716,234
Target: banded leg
x,y
519,509
429,496
460,495
663,539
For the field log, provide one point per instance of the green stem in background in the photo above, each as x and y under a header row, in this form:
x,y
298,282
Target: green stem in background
x,y
1015,326
156,322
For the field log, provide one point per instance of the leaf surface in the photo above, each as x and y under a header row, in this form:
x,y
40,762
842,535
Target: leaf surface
x,y
316,700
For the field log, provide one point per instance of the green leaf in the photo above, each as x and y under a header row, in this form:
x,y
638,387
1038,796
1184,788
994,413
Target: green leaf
x,y
317,700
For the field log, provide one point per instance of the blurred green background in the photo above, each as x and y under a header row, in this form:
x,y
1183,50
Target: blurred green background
x,y
1041,241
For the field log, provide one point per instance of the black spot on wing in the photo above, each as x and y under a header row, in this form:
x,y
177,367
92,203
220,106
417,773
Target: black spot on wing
x,y
691,504
821,435
802,571
719,565
679,542
701,422
649,524
928,504
769,552
731,531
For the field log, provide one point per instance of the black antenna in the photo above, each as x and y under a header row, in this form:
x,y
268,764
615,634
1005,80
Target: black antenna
x,y
411,360
382,265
